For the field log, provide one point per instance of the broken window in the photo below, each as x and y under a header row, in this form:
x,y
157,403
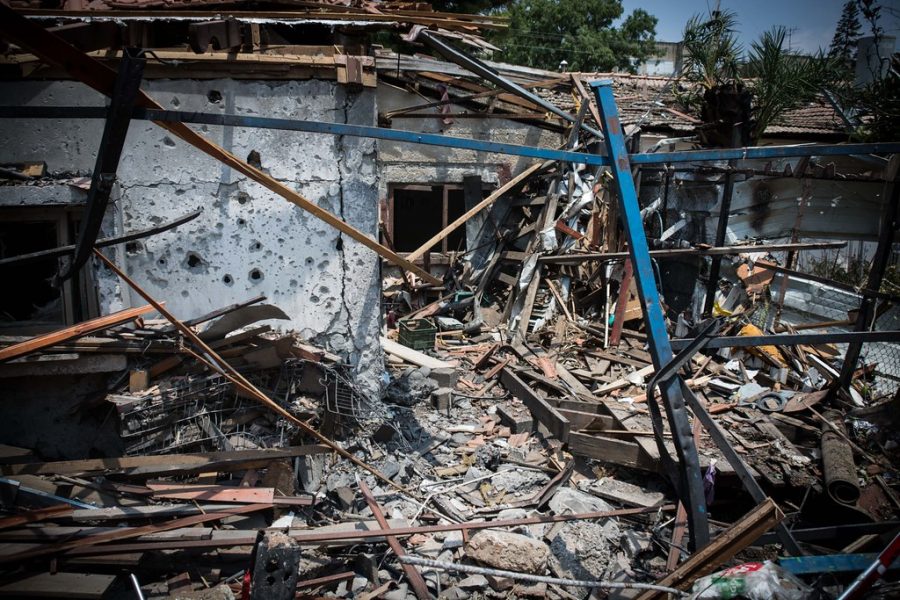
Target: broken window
x,y
416,213
37,301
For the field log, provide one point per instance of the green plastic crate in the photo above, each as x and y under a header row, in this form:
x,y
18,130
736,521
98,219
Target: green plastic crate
x,y
417,334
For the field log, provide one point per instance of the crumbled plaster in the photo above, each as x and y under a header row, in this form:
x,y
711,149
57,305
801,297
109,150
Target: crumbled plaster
x,y
248,241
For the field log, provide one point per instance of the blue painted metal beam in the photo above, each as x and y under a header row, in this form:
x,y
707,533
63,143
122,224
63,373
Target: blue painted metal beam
x,y
448,141
687,476
830,563
765,152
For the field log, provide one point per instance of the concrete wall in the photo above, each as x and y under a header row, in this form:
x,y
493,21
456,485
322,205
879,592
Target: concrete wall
x,y
414,163
248,241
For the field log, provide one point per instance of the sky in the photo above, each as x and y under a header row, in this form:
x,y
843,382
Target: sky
x,y
813,20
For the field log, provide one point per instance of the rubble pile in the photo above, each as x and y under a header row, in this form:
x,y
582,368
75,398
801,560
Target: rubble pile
x,y
561,411
517,442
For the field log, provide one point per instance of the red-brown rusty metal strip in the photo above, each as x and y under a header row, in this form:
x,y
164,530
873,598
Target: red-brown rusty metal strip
x,y
412,573
337,536
131,532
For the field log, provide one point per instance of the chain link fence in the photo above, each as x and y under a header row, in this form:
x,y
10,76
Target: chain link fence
x,y
807,302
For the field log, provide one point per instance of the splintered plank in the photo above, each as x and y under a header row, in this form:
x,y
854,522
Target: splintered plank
x,y
62,335
542,410
58,585
611,450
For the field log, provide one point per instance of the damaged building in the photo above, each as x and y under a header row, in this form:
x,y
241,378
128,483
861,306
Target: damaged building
x,y
315,299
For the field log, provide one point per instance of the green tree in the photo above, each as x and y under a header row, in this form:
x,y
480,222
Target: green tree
x,y
782,80
873,108
469,7
843,44
543,33
711,50
712,64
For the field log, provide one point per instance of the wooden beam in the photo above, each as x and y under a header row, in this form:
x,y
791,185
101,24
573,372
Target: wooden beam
x,y
734,539
585,97
80,66
611,450
170,464
622,304
62,335
542,410
213,493
444,233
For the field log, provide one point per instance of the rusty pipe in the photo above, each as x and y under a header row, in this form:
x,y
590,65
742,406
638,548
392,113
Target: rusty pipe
x,y
838,467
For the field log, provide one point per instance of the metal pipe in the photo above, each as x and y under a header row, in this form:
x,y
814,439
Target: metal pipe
x,y
448,141
875,571
318,538
688,478
670,252
838,467
840,337
102,243
721,229
482,70
890,222
137,586
586,583
126,90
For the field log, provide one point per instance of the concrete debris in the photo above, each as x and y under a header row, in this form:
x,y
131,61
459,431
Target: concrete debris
x,y
452,354
509,551
412,387
622,492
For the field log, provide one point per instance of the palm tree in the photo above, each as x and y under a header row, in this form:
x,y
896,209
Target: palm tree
x,y
738,101
711,63
782,80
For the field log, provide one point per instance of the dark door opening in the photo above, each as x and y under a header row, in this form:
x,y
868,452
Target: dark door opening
x,y
418,215
30,295
418,212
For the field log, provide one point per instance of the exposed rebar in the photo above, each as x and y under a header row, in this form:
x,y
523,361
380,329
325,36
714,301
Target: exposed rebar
x,y
587,583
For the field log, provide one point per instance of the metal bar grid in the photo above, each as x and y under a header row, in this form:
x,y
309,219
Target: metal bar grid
x,y
192,415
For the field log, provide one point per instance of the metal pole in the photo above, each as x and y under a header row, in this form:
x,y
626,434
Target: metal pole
x,y
796,339
586,583
446,141
690,480
124,94
722,228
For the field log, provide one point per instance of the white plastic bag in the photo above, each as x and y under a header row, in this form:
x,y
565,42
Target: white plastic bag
x,y
754,581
